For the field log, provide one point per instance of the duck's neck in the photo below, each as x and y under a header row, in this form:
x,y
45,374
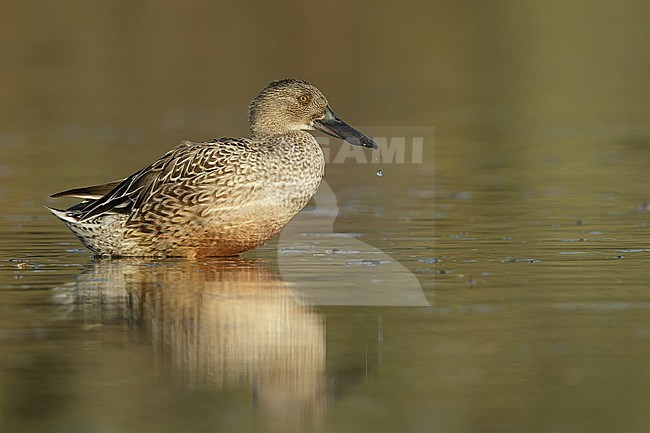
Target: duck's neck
x,y
295,149
289,139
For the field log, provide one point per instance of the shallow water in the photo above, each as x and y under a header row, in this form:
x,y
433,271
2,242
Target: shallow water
x,y
500,284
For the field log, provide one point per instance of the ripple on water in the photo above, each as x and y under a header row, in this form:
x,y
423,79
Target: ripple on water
x,y
297,250
521,260
366,262
429,260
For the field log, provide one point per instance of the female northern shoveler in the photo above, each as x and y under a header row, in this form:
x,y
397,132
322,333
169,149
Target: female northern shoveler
x,y
220,197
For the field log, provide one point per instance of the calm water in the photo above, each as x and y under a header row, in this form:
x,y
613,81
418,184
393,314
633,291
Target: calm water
x,y
501,284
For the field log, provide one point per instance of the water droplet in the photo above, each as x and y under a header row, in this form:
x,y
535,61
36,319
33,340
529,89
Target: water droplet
x,y
380,173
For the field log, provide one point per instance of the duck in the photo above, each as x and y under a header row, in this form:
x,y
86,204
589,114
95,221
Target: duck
x,y
220,197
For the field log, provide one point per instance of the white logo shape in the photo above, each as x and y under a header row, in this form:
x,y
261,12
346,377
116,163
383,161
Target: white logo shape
x,y
353,272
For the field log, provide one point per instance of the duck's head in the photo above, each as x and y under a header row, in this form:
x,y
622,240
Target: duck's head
x,y
293,105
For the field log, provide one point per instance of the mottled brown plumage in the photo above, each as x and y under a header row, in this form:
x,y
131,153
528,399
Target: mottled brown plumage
x,y
220,197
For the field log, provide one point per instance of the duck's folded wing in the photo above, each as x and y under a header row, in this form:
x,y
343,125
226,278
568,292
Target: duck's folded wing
x,y
181,163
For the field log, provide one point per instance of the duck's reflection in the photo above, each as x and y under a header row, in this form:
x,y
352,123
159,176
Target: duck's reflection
x,y
219,324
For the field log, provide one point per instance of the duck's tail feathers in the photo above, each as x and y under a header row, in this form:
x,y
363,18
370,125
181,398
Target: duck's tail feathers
x,y
65,216
94,192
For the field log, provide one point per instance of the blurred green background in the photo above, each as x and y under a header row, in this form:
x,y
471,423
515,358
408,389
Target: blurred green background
x,y
147,70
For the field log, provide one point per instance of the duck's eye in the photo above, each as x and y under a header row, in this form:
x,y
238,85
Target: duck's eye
x,y
303,99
